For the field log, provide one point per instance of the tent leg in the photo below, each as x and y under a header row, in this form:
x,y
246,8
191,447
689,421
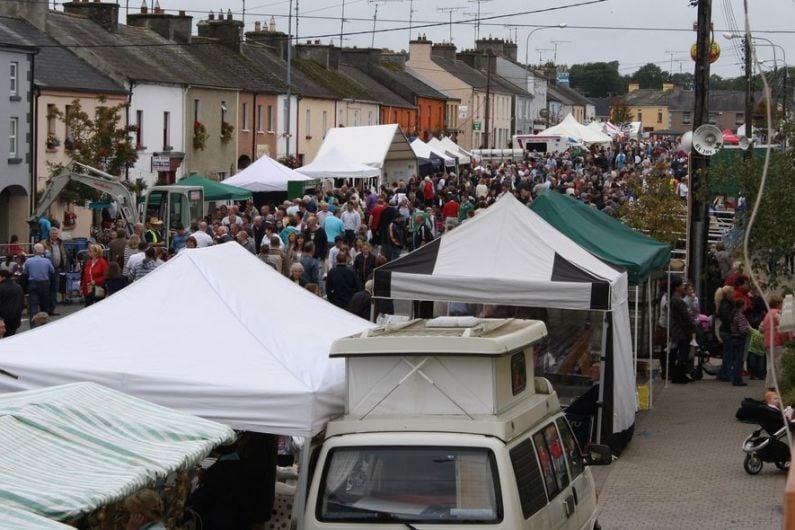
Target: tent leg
x,y
303,485
602,368
651,342
635,345
668,331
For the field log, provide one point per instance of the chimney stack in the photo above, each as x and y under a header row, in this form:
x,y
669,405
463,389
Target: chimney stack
x,y
33,12
445,50
103,13
228,32
172,27
276,40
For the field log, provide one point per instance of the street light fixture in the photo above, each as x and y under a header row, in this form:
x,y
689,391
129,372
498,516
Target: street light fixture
x,y
562,25
768,42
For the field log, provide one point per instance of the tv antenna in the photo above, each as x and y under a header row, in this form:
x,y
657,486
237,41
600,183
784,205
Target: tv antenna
x,y
671,53
477,15
555,54
539,50
449,11
375,15
513,31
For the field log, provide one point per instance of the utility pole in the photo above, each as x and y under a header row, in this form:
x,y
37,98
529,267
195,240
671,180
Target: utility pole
x,y
488,98
449,11
698,214
749,95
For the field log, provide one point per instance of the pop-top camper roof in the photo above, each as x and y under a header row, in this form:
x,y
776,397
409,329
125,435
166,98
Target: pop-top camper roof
x,y
447,367
446,336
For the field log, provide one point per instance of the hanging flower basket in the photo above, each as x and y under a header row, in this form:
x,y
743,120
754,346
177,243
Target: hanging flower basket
x,y
52,141
226,132
199,135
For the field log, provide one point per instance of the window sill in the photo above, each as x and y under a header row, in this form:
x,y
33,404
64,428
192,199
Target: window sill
x,y
15,98
14,161
271,132
51,150
245,130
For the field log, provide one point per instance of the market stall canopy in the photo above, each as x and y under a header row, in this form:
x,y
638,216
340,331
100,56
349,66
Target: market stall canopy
x,y
373,145
333,164
603,236
203,335
214,190
70,449
537,266
423,150
571,128
264,175
604,127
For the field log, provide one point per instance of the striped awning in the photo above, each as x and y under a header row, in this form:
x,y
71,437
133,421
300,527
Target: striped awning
x,y
22,520
67,450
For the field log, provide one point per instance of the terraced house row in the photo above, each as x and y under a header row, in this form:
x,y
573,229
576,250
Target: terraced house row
x,y
204,96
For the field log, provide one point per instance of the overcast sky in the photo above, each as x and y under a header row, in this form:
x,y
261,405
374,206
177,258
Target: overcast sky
x,y
631,48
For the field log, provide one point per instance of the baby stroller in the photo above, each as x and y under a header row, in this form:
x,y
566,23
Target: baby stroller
x,y
708,347
766,444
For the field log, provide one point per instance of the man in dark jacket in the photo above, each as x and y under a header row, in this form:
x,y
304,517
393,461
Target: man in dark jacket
x,y
682,329
12,300
342,283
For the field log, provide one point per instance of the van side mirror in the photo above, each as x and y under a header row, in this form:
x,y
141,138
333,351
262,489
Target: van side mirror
x,y
599,455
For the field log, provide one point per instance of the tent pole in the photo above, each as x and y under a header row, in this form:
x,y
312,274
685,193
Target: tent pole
x,y
651,341
668,330
637,295
303,483
602,367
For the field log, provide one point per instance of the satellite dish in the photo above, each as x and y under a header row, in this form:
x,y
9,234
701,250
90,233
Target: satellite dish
x,y
707,140
745,142
687,141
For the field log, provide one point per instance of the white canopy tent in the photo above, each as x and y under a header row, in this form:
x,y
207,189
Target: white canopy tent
x,y
266,174
604,127
537,266
570,127
70,449
333,164
423,150
449,146
201,334
383,147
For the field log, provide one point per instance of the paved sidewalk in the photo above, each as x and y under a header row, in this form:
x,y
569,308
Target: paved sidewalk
x,y
684,467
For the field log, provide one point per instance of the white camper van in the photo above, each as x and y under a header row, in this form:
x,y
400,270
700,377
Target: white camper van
x,y
446,427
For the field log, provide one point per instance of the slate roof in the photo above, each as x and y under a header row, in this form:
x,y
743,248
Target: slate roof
x,y
377,91
140,54
571,95
267,60
467,74
602,105
335,82
394,76
678,99
56,67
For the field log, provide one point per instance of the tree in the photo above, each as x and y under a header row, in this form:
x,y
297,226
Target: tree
x,y
650,76
657,210
684,80
597,79
99,141
620,112
772,236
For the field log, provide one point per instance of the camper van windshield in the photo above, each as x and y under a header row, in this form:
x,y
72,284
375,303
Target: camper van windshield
x,y
410,484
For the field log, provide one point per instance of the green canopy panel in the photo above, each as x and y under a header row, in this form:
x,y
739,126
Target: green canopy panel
x,y
603,236
70,449
216,191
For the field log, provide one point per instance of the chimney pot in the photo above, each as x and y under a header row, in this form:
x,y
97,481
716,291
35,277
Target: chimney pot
x,y
272,25
211,16
257,26
144,8
229,14
317,42
182,13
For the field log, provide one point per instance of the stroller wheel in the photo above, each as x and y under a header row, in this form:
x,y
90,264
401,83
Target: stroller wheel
x,y
753,464
697,374
783,466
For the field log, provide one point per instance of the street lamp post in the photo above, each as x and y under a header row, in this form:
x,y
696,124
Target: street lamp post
x,y
773,45
562,25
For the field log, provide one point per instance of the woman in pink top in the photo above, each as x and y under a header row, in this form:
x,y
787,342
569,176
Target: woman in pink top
x,y
769,329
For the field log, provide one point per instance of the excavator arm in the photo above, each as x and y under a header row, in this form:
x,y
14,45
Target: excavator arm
x,y
94,178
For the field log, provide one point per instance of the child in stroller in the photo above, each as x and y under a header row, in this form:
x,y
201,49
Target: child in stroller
x,y
768,443
708,347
